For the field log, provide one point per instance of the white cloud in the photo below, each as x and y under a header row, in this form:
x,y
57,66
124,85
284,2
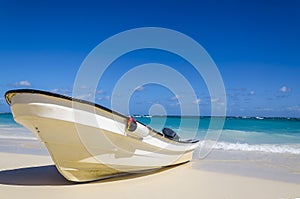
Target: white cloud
x,y
25,83
174,104
63,91
104,98
54,90
213,100
86,96
176,97
219,102
197,101
22,83
284,89
293,108
264,109
139,88
100,92
252,93
83,87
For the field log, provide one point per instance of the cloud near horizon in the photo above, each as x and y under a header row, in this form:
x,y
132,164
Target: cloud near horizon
x,y
293,108
175,97
197,101
139,88
24,83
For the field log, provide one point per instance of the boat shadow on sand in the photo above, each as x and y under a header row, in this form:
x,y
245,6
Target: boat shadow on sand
x,y
48,175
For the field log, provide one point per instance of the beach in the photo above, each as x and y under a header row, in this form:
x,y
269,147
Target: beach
x,y
31,176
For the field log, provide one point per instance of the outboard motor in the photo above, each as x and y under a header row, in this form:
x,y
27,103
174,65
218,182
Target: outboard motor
x,y
170,134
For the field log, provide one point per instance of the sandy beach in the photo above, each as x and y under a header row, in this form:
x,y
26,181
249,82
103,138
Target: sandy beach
x,y
31,176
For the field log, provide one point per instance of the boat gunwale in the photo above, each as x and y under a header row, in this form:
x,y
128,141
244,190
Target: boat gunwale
x,y
9,94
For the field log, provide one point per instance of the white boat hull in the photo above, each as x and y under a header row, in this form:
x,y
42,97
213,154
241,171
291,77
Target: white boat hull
x,y
88,142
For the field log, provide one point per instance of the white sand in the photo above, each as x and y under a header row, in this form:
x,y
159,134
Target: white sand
x,y
32,176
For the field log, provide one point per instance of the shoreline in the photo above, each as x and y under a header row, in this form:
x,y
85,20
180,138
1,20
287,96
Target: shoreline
x,y
27,175
268,166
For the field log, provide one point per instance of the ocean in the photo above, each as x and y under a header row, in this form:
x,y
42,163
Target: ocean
x,y
270,146
268,135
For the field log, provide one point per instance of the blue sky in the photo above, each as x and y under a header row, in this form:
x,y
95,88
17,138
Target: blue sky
x,y
255,44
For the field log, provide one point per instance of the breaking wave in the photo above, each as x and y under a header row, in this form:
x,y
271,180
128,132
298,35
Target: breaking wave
x,y
267,148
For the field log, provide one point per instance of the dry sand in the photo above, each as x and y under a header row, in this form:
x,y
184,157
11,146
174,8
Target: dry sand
x,y
34,176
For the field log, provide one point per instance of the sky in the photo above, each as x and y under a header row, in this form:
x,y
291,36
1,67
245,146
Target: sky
x,y
254,44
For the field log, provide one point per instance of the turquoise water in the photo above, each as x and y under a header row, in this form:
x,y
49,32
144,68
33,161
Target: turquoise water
x,y
268,135
9,129
6,120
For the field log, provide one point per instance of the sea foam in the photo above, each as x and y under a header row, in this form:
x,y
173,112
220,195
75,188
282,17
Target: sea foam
x,y
17,137
267,148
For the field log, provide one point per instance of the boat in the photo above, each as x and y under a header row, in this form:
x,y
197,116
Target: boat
x,y
88,142
259,118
